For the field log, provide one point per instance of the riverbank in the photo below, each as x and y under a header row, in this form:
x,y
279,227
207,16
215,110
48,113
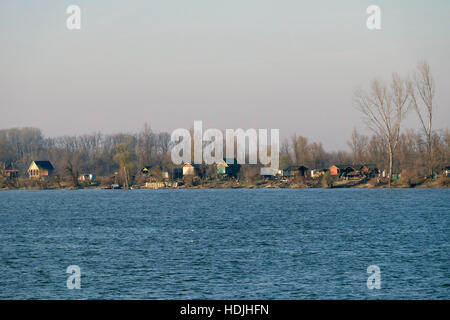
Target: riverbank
x,y
441,182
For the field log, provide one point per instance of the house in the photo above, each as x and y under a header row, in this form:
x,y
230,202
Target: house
x,y
351,172
335,170
296,171
369,170
228,166
317,173
269,173
446,171
190,169
155,172
88,177
145,171
40,169
175,173
10,173
342,170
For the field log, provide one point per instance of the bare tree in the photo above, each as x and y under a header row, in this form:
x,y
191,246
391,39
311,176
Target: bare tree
x,y
376,150
422,96
124,158
317,155
383,108
145,143
300,149
408,151
72,171
285,147
446,142
358,143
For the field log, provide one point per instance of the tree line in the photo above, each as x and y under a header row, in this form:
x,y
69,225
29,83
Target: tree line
x,y
383,106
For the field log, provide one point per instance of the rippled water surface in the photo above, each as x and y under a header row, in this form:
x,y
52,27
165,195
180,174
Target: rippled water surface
x,y
225,244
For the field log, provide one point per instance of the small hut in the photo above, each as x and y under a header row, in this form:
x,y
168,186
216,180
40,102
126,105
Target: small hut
x,y
297,171
229,167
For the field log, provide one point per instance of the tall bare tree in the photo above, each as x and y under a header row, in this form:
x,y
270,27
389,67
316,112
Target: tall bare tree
x,y
71,163
300,149
125,160
317,155
376,151
383,108
422,96
358,143
145,143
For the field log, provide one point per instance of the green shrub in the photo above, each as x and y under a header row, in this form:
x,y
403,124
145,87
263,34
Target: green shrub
x,y
327,180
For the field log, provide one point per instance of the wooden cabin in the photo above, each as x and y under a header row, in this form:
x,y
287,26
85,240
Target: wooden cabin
x,y
190,169
11,174
446,171
317,173
369,170
40,169
145,171
342,170
228,166
297,171
155,172
175,173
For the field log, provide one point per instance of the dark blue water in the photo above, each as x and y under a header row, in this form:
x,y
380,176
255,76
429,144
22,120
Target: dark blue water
x,y
225,244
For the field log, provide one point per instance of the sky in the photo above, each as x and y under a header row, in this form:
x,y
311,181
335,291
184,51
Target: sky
x,y
280,64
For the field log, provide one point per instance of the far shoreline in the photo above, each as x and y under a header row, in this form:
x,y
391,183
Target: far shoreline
x,y
440,183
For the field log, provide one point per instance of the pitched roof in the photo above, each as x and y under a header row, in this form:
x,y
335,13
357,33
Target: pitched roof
x,y
231,161
344,166
44,165
222,164
187,165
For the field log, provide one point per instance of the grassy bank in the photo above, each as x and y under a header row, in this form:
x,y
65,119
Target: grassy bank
x,y
53,184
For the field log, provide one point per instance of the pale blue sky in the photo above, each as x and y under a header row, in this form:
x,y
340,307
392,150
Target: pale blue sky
x,y
284,64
